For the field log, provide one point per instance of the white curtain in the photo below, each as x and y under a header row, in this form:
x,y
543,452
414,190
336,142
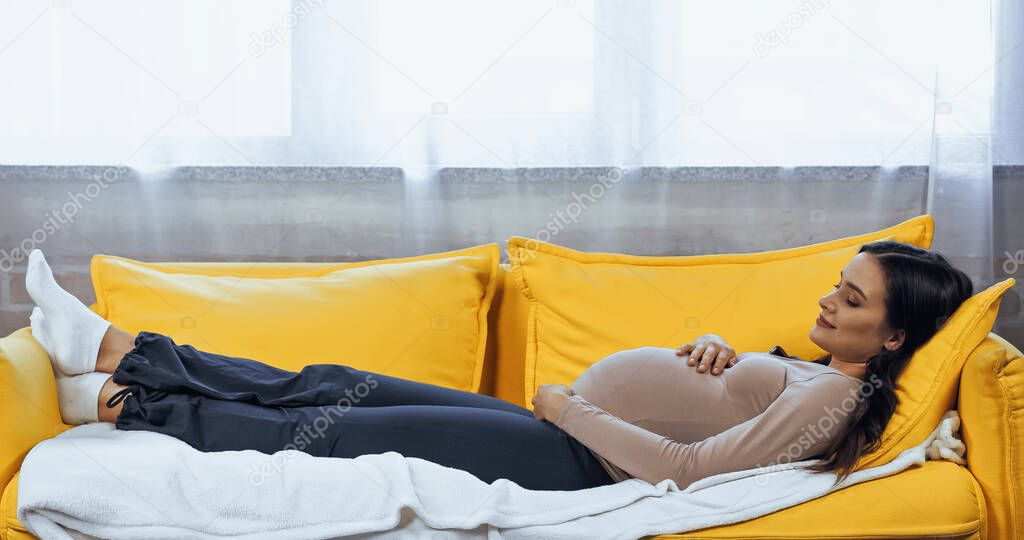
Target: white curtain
x,y
531,84
462,83
960,171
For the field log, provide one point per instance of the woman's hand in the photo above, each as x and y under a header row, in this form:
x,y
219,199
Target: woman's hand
x,y
708,352
550,400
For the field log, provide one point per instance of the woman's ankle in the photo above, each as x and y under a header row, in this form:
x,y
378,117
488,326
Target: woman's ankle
x,y
116,343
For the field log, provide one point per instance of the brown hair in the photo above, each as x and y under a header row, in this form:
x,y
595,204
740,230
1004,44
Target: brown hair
x,y
922,291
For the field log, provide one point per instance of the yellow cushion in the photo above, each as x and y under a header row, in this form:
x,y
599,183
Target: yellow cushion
x,y
927,387
421,318
585,306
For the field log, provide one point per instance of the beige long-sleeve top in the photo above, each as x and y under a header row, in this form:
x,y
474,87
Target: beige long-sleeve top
x,y
645,413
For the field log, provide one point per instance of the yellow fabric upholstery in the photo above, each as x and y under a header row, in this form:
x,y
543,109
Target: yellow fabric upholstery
x,y
421,318
904,505
12,529
991,404
939,499
28,400
507,350
585,306
28,415
927,387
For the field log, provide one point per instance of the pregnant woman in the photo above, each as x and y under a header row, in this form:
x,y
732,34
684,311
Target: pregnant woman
x,y
639,413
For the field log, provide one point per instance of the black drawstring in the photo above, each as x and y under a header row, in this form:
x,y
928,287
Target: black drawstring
x,y
118,397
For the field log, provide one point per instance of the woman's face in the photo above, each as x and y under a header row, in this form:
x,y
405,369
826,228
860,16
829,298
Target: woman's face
x,y
856,310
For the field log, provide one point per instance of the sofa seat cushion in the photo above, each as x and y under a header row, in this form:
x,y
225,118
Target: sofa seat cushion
x,y
939,498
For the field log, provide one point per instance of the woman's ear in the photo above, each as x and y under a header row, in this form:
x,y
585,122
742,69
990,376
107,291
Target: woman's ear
x,y
895,341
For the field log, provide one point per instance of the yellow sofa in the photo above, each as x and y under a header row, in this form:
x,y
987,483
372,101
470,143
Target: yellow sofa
x,y
938,500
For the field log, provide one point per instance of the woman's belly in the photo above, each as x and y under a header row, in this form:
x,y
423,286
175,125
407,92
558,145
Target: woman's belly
x,y
655,389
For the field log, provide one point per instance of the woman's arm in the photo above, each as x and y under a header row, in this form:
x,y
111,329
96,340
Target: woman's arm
x,y
786,431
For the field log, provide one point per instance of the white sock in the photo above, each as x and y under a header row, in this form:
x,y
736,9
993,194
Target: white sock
x,y
79,395
69,331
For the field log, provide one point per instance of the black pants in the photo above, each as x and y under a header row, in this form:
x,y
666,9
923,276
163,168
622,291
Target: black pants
x,y
215,403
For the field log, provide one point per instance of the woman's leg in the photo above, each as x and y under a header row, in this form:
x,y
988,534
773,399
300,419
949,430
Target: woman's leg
x,y
116,343
156,362
488,443
80,342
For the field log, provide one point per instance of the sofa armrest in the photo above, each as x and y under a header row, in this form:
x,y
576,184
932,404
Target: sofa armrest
x,y
991,407
28,400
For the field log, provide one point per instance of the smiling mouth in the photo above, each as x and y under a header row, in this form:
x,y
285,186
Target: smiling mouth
x,y
823,323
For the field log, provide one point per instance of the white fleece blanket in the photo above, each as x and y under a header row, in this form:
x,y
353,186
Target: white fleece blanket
x,y
95,481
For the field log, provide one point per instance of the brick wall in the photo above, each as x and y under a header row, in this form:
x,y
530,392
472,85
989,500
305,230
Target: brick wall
x,y
16,304
324,214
